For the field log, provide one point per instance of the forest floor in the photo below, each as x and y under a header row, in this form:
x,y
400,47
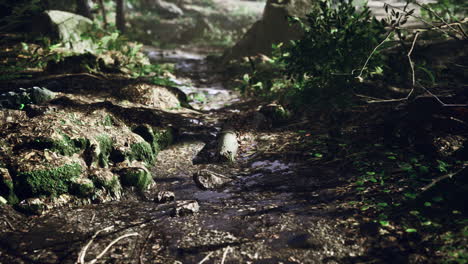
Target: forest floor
x,y
297,194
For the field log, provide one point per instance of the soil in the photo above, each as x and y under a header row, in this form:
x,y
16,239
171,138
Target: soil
x,y
279,207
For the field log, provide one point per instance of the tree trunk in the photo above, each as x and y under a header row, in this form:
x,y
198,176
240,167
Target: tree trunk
x,y
120,16
82,8
103,12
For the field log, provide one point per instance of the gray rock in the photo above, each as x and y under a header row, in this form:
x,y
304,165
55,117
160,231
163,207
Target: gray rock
x,y
183,208
41,95
67,28
206,179
164,197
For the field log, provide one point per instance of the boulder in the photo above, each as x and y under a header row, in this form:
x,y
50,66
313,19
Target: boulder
x,y
22,97
273,28
65,27
206,179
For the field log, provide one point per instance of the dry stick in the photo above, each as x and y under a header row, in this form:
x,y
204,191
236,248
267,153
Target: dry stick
x,y
82,254
205,258
110,245
438,99
225,254
144,245
372,53
9,224
413,78
435,181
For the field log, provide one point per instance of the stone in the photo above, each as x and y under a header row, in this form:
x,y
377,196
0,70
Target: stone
x,y
187,207
41,95
67,28
273,28
164,197
206,179
275,113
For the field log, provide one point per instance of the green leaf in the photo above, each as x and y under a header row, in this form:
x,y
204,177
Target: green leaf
x,y
318,155
411,230
427,204
384,223
391,157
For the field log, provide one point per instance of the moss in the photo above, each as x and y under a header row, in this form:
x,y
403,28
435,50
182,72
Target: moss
x,y
137,177
142,151
158,138
108,121
164,138
65,146
11,196
105,148
47,182
111,183
82,187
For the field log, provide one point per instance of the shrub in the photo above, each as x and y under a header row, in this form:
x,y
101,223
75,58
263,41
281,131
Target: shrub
x,y
337,41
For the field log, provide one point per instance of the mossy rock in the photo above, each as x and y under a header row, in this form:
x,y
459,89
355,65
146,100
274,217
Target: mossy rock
x,y
65,146
106,180
7,186
105,148
49,182
141,151
82,187
140,178
276,113
158,138
33,206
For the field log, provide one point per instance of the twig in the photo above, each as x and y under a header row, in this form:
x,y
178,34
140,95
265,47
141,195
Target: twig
x,y
413,77
205,258
92,217
372,53
440,101
225,254
144,245
424,21
82,254
110,245
9,224
443,177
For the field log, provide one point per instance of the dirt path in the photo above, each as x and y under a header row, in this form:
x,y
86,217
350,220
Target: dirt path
x,y
276,209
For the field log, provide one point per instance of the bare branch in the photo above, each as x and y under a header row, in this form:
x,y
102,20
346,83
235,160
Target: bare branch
x,y
82,254
372,53
437,180
110,245
225,254
205,258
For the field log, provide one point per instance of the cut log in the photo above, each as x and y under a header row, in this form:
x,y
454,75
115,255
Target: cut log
x,y
227,146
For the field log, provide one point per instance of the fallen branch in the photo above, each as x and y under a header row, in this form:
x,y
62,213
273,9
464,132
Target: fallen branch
x,y
9,224
443,177
225,254
144,245
110,245
205,258
82,254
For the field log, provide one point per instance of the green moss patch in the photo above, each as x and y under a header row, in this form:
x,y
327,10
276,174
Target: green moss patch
x,y
51,182
137,177
142,151
107,181
82,187
158,138
105,148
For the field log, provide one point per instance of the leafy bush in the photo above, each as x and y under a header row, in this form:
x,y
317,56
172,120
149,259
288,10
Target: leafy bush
x,y
337,41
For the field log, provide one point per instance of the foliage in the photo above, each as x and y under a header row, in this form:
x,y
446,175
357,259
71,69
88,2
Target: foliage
x,y
335,45
448,10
